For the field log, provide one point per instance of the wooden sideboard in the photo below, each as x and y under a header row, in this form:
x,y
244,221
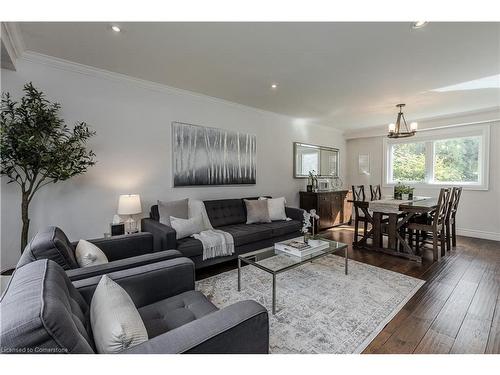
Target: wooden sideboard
x,y
332,207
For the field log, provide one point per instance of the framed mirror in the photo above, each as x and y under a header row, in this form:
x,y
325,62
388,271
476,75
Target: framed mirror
x,y
323,160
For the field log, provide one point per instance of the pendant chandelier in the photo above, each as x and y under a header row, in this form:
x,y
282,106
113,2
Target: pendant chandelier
x,y
400,129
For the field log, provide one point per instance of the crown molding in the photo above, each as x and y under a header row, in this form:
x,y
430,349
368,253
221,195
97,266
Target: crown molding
x,y
12,40
476,117
70,66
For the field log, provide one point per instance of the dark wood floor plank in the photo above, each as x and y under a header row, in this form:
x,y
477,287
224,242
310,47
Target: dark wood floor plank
x,y
474,332
493,346
472,337
453,313
434,343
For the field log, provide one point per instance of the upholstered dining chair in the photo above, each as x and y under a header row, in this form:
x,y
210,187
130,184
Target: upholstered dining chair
x,y
375,192
434,228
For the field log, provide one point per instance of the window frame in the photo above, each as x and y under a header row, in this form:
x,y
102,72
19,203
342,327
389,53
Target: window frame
x,y
429,137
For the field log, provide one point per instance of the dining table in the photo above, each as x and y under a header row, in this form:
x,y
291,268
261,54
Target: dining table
x,y
389,216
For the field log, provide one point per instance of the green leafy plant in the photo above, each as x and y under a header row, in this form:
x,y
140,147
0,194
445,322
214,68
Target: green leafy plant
x,y
400,189
37,148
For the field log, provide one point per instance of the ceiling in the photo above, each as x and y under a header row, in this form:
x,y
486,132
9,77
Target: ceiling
x,y
345,75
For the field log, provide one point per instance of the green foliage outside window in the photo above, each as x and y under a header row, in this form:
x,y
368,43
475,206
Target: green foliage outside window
x,y
456,160
408,162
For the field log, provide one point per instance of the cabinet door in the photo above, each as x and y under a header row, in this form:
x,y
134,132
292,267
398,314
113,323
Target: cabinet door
x,y
337,203
325,210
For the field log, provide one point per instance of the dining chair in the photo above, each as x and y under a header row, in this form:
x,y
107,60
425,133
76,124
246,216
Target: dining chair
x,y
436,225
360,212
451,230
375,193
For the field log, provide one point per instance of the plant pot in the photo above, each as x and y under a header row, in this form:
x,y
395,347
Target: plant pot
x,y
405,196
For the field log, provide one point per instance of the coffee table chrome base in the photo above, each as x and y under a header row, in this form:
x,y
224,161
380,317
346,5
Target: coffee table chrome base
x,y
277,272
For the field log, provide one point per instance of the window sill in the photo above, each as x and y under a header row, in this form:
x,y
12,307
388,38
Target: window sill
x,y
437,186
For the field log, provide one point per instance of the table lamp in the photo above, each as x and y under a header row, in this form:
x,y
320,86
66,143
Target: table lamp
x,y
130,204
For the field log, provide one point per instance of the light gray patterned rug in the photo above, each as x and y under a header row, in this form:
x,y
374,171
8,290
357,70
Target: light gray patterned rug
x,y
319,308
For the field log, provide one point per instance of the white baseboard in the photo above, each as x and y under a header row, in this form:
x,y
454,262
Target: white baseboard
x,y
478,234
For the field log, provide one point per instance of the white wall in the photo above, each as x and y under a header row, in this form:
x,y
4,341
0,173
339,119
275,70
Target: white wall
x,y
133,124
479,211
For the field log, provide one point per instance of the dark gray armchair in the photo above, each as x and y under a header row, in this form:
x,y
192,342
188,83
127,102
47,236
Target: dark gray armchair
x,y
123,252
42,311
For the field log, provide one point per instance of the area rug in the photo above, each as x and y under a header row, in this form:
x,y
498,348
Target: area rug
x,y
319,308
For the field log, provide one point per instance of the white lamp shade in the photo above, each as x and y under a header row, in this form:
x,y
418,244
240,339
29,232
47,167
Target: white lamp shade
x,y
129,204
413,126
392,127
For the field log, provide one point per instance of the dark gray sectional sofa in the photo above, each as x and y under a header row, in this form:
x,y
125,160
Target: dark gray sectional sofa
x,y
228,215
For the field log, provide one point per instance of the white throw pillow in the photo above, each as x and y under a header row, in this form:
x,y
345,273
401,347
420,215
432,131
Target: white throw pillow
x,y
115,321
87,254
186,227
196,208
276,207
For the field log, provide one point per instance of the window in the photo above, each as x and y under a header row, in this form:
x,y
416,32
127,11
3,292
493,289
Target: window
x,y
454,156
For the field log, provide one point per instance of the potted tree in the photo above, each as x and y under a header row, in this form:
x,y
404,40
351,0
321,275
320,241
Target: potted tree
x,y
37,148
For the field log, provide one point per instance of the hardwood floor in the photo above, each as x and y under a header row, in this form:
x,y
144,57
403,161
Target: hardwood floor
x,y
457,310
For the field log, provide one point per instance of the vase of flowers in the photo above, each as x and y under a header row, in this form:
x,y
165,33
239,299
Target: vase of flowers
x,y
314,217
306,224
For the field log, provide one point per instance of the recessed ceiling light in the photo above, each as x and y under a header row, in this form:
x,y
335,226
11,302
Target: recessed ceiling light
x,y
419,24
116,29
274,86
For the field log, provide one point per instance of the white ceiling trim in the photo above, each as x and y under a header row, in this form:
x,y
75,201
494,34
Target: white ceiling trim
x,y
54,62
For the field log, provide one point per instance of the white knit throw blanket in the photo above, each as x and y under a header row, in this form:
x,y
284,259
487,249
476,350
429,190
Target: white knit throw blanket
x,y
216,243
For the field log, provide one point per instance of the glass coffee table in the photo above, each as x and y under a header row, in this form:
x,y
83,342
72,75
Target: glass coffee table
x,y
277,261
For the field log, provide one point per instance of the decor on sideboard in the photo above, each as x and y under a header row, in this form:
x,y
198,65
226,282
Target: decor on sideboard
x,y
130,204
337,183
313,176
396,130
403,192
210,156
37,148
309,186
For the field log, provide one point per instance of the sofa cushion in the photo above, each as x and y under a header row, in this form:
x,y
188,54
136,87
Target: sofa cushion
x,y
173,312
190,247
257,211
116,323
248,233
280,228
177,209
50,243
42,310
87,254
223,212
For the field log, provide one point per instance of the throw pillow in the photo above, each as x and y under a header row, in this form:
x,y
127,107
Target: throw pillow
x,y
257,211
174,208
276,207
115,321
197,208
186,227
87,254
